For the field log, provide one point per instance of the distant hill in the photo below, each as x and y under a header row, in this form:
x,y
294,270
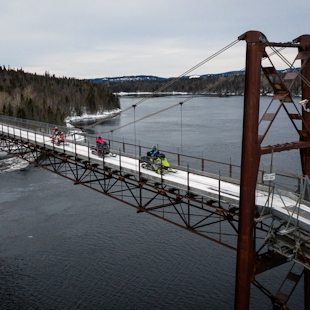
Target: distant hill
x,y
231,82
156,78
129,78
226,83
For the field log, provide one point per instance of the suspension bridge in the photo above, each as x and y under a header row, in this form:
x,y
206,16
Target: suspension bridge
x,y
200,201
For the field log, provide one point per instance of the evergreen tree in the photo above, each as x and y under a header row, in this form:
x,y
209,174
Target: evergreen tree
x,y
90,100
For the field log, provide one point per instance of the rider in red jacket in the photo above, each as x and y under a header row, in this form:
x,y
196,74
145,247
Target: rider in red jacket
x,y
99,140
99,143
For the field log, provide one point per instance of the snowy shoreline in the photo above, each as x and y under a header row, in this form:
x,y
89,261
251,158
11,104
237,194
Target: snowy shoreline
x,y
91,118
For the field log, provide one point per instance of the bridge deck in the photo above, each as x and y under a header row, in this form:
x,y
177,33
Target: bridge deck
x,y
284,205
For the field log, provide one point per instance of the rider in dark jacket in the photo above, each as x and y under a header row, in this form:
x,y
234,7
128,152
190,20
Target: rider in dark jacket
x,y
153,152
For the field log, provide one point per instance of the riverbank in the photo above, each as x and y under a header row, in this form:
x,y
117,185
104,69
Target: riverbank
x,y
88,119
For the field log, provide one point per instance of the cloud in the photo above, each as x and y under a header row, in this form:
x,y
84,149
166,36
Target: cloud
x,y
120,37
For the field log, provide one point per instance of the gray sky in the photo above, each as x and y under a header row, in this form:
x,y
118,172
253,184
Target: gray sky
x,y
100,38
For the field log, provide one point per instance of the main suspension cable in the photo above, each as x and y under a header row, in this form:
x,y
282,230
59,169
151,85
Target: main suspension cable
x,y
275,52
165,86
173,81
289,64
142,118
188,71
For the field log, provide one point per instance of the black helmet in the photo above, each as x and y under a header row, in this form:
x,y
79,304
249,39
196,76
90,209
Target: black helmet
x,y
99,137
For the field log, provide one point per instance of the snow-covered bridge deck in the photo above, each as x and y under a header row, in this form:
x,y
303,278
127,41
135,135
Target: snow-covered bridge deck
x,y
284,205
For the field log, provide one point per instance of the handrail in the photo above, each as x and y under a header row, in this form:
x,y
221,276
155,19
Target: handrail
x,y
230,170
175,158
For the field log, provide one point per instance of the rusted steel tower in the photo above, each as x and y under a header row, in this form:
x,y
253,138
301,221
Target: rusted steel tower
x,y
305,64
305,153
249,169
252,149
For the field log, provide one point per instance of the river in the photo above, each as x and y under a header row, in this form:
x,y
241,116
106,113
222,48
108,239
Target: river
x,y
66,247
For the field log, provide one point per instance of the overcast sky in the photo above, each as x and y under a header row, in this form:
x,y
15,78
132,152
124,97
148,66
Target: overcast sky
x,y
100,38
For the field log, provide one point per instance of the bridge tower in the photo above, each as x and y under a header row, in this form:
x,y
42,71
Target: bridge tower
x,y
305,153
304,56
252,150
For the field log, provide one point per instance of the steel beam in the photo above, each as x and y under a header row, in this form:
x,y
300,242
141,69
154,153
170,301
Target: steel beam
x,y
305,153
307,288
285,147
305,61
250,159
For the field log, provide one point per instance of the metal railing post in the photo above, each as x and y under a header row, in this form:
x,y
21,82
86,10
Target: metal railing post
x,y
219,188
103,161
139,149
120,161
188,188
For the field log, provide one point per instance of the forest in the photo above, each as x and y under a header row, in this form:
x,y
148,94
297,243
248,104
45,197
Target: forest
x,y
51,99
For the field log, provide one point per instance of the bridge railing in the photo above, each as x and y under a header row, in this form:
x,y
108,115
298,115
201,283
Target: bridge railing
x,y
45,128
190,162
175,157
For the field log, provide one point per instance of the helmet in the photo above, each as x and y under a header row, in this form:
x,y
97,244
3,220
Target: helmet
x,y
56,127
154,147
99,137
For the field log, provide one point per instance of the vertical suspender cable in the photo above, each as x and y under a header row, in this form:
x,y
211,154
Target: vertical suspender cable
x,y
111,146
181,104
134,123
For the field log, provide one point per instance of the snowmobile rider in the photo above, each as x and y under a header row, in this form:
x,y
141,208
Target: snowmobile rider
x,y
154,151
99,142
60,138
155,160
56,131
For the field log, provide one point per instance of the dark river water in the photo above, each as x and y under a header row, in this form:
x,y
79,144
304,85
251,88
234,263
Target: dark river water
x,y
64,246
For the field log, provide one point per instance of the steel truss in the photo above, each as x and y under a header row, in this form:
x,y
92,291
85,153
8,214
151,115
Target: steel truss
x,y
179,207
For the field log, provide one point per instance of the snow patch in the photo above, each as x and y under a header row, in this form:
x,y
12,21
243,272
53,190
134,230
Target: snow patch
x,y
71,121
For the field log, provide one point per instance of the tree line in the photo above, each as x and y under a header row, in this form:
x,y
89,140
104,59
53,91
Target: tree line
x,y
51,99
209,84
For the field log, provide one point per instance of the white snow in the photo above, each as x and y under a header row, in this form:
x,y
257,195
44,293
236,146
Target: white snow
x,y
91,117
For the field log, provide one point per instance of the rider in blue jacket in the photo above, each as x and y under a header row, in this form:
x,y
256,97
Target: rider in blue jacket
x,y
154,151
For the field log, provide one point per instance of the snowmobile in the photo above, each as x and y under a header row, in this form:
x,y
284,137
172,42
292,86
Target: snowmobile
x,y
102,149
59,138
157,163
